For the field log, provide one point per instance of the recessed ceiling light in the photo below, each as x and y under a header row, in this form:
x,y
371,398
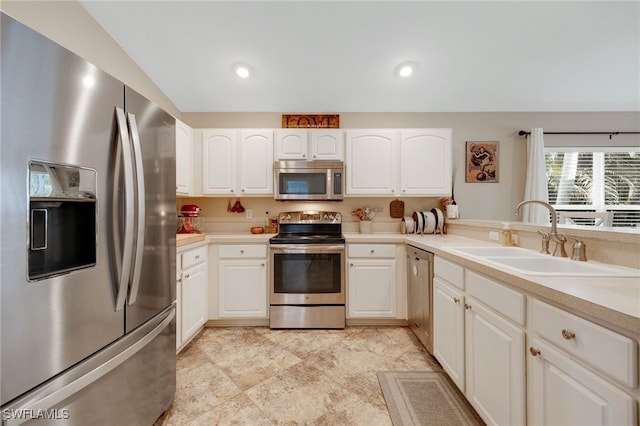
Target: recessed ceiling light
x,y
242,70
406,69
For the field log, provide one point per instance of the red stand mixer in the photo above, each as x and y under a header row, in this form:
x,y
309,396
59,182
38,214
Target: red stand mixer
x,y
189,213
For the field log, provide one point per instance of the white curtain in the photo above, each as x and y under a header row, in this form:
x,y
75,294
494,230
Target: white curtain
x,y
536,183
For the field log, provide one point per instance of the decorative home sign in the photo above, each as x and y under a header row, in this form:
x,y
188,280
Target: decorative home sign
x,y
321,121
481,162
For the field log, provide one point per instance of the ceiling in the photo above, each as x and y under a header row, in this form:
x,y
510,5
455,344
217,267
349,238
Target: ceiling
x,y
339,56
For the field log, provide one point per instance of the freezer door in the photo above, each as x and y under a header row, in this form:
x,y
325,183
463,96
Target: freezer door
x,y
152,286
131,382
56,108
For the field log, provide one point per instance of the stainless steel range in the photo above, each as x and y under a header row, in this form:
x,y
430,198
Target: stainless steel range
x,y
307,263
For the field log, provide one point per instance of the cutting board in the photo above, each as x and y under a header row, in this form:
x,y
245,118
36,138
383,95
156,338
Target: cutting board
x,y
396,209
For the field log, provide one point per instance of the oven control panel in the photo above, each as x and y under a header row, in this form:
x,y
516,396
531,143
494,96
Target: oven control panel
x,y
310,216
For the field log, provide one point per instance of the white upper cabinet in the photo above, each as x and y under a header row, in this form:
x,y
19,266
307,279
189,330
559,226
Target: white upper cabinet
x,y
237,162
309,144
425,162
404,162
219,164
184,159
256,162
327,144
371,162
292,144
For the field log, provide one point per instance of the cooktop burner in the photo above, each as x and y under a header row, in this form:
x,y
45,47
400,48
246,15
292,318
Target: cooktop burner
x,y
309,227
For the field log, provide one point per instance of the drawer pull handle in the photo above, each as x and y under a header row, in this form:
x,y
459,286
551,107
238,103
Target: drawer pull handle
x,y
466,306
242,251
568,334
197,256
456,300
373,251
534,351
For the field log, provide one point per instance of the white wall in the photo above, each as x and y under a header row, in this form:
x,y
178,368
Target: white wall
x,y
68,24
490,201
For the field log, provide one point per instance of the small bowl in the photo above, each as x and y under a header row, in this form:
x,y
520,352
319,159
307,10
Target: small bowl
x,y
257,230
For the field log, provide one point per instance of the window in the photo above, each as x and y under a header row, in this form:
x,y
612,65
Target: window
x,y
596,179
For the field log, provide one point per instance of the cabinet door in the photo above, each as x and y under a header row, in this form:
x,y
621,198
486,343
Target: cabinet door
x,y
372,288
495,371
425,162
219,162
178,302
242,288
184,158
562,392
291,144
327,144
371,162
256,162
448,330
194,300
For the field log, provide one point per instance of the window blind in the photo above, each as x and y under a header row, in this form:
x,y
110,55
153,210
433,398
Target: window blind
x,y
596,179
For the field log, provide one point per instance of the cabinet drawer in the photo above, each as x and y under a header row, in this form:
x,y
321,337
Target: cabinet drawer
x,y
242,251
372,250
503,300
610,352
449,271
193,257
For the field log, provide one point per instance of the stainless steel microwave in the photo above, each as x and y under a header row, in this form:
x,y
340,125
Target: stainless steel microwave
x,y
317,180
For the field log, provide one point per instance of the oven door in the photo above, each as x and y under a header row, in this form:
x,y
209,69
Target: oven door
x,y
307,274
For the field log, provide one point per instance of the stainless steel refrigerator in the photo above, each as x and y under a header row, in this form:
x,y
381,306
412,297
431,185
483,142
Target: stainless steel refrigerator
x,y
88,242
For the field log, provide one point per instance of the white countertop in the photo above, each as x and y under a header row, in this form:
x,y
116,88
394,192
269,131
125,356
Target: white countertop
x,y
614,301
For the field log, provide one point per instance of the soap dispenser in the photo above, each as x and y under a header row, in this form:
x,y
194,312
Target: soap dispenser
x,y
506,237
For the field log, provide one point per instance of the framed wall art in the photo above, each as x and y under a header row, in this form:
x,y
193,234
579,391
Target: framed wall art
x,y
481,162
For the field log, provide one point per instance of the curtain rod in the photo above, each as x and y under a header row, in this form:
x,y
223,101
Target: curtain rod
x,y
525,133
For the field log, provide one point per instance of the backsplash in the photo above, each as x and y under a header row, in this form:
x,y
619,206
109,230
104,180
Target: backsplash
x,y
216,218
620,247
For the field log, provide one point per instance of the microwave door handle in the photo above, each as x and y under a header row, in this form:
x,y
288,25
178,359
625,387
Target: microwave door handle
x,y
124,147
140,204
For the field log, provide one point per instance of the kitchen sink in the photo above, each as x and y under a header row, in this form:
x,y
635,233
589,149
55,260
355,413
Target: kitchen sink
x,y
554,266
495,251
531,262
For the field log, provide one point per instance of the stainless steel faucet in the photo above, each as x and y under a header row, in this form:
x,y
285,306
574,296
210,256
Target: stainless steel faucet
x,y
559,250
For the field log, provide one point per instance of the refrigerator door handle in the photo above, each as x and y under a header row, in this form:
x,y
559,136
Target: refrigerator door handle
x,y
140,204
127,253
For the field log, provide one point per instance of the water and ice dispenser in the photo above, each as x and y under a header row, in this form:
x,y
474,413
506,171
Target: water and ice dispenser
x,y
62,219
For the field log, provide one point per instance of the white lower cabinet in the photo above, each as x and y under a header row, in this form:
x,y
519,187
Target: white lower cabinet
x,y
242,281
578,371
371,281
554,366
192,290
178,302
561,392
494,348
479,343
448,329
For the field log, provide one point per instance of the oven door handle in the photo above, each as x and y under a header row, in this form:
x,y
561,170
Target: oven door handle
x,y
306,248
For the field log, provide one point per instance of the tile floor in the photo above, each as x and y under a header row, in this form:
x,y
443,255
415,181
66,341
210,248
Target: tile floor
x,y
258,376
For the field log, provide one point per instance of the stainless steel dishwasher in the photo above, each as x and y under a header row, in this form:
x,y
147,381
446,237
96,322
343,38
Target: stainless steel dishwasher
x,y
420,294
